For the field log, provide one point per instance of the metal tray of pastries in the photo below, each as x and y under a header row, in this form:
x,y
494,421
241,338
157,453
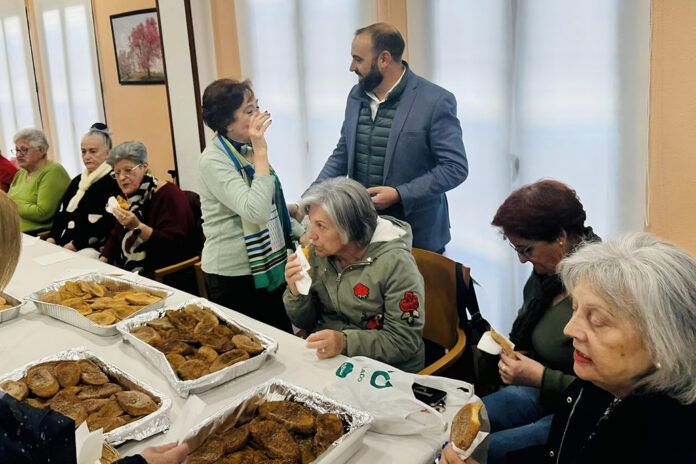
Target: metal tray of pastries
x,y
196,345
9,306
79,385
279,422
97,302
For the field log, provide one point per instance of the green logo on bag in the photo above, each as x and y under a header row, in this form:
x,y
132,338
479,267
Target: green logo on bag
x,y
344,369
380,374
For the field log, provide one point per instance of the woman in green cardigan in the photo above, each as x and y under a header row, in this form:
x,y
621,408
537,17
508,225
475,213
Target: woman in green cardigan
x,y
543,222
40,183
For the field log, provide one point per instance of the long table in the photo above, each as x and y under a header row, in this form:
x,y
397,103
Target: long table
x,y
33,335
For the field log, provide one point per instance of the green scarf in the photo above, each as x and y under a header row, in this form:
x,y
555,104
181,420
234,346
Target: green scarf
x,y
267,267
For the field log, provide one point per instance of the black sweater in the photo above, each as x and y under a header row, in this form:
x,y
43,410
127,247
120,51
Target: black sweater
x,y
643,427
89,225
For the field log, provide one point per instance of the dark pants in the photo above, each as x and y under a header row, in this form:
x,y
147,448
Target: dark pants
x,y
240,294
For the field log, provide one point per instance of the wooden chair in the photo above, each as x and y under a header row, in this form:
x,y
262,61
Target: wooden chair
x,y
200,280
441,316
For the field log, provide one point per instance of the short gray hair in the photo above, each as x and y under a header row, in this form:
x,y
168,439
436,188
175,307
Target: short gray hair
x,y
132,150
652,283
35,137
347,204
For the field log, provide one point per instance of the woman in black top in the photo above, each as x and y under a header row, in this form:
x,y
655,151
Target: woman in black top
x,y
82,221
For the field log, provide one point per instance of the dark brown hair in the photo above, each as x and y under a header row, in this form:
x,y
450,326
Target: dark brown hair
x,y
385,37
541,211
220,100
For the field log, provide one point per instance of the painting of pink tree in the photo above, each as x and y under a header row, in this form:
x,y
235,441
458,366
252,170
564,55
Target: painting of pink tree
x,y
138,47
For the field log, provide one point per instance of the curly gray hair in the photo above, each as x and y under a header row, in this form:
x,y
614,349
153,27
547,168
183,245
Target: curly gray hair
x,y
35,137
652,283
132,150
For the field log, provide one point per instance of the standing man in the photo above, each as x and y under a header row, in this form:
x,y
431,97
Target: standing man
x,y
400,138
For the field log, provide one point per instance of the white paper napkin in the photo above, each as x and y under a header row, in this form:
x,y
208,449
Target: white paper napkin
x,y
488,345
88,445
191,414
303,285
111,204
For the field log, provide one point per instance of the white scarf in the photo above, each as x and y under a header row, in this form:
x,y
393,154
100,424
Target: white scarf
x,y
86,181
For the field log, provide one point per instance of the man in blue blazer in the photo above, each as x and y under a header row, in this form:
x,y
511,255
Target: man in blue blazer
x,y
400,138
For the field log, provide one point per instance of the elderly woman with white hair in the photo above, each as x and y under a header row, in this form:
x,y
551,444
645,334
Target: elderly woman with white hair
x,y
156,228
40,183
82,222
366,297
634,334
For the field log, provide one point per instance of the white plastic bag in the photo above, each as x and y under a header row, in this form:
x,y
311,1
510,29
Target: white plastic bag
x,y
386,393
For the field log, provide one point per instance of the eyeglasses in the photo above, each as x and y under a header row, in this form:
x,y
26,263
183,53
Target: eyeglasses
x,y
124,172
23,150
525,251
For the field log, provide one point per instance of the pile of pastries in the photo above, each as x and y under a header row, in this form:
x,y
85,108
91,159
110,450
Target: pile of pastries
x,y
4,303
104,303
196,342
278,431
82,391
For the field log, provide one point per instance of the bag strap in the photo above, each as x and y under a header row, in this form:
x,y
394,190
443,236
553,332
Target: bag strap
x,y
466,299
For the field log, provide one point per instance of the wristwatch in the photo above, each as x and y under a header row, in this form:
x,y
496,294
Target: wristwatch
x,y
137,230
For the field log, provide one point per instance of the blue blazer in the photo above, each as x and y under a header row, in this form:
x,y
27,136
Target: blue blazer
x,y
425,157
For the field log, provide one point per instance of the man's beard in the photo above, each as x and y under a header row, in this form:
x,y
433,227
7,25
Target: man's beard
x,y
372,79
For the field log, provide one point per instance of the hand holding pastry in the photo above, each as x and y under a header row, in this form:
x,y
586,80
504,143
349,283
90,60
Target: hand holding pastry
x,y
126,218
520,370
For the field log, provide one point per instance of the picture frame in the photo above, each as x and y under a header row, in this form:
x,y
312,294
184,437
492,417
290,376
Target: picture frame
x,y
138,47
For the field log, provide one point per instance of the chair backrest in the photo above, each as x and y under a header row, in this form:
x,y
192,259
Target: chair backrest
x,y
441,314
194,201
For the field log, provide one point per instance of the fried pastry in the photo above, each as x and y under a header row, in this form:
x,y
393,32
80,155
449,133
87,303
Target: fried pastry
x,y
99,391
235,438
273,438
228,359
294,416
209,452
206,323
163,323
110,408
329,429
183,321
239,457
175,360
136,403
83,309
36,403
466,425
68,373
102,318
192,369
141,298
218,342
107,423
123,311
91,374
94,405
179,347
61,398
72,288
51,297
74,411
147,334
122,202
73,301
42,383
93,288
207,354
15,388
306,445
248,343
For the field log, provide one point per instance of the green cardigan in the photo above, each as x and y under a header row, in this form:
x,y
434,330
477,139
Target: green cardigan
x,y
550,346
38,197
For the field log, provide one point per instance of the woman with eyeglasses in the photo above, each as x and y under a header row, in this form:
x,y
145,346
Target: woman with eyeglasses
x,y
39,184
543,222
82,222
156,228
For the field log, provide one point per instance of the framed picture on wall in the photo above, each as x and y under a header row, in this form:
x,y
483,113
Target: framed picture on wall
x,y
138,47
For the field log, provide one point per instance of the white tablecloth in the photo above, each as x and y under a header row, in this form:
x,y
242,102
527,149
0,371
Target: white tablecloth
x,y
33,335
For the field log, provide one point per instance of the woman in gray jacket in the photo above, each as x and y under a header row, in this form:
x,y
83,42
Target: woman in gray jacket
x,y
367,295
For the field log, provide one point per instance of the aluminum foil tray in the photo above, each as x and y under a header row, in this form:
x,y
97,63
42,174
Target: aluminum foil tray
x,y
158,359
144,427
340,451
72,317
10,313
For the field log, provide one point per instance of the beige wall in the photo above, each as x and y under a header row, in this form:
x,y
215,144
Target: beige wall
x,y
133,112
671,209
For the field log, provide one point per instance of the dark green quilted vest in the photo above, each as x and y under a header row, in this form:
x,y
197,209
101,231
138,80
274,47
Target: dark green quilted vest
x,y
372,136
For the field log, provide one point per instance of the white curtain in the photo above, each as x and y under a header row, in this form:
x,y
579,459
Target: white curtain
x,y
297,54
18,100
545,88
68,53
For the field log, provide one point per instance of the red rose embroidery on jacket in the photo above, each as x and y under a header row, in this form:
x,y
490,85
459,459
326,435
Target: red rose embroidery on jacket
x,y
409,307
375,322
361,291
